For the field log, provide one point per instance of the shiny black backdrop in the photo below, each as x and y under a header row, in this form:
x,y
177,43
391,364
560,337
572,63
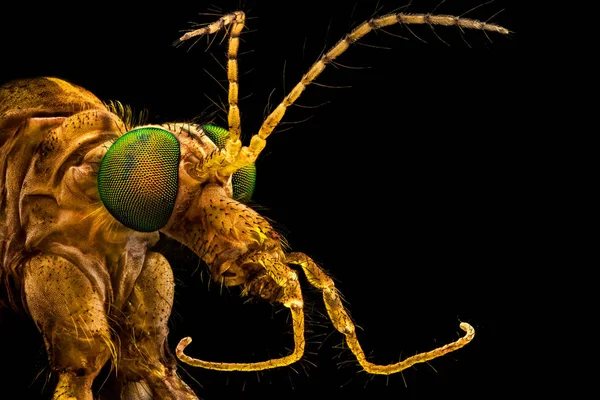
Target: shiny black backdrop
x,y
398,178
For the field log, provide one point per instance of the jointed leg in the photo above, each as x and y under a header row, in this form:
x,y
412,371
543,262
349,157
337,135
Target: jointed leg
x,y
292,298
343,323
146,368
71,316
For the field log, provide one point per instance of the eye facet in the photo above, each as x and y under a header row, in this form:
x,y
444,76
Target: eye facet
x,y
216,134
244,179
138,178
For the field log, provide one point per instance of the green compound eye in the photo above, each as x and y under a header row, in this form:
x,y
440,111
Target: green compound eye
x,y
216,134
138,178
244,179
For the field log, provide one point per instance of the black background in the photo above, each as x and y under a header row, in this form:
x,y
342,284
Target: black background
x,y
399,181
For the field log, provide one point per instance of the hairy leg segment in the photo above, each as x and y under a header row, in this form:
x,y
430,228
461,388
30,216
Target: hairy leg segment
x,y
71,315
81,333
146,368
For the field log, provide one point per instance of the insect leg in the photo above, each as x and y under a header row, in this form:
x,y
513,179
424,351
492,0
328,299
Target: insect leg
x,y
292,299
70,313
342,322
145,361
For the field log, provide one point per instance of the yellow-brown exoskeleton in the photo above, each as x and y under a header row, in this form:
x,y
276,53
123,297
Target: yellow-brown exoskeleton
x,y
84,196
